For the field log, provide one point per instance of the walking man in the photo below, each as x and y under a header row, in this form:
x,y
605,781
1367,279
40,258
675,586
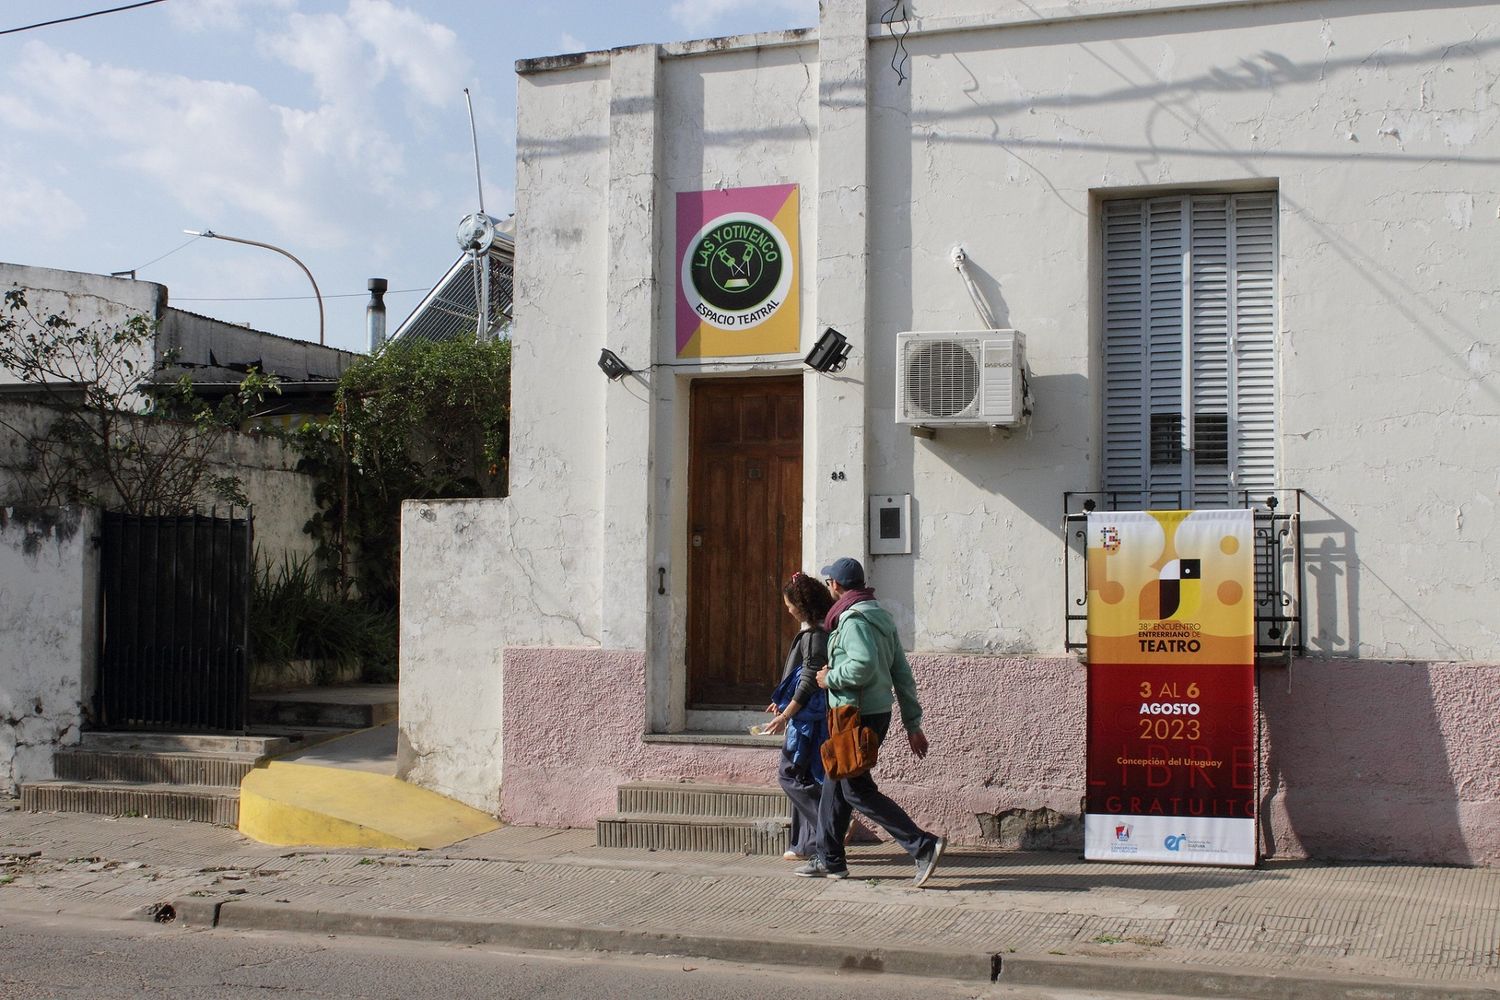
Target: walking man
x,y
865,662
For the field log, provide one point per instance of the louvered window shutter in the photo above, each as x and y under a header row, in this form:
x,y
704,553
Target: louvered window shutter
x,y
1126,429
1254,440
1167,239
1209,353
1189,359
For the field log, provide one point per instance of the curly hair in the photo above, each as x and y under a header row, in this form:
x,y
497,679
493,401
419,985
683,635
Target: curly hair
x,y
808,595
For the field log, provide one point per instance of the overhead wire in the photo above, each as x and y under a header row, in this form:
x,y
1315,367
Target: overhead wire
x,y
164,256
79,17
292,298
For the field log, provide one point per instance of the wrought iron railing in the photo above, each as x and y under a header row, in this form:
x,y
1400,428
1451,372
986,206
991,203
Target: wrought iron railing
x,y
1278,564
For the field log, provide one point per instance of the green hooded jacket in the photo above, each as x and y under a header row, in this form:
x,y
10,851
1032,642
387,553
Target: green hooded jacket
x,y
865,661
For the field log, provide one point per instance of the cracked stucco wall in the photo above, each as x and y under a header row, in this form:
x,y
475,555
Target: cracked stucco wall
x,y
475,577
48,578
1377,127
525,570
1380,130
737,118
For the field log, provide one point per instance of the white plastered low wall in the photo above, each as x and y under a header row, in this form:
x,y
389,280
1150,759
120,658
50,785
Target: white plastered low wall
x,y
476,576
48,580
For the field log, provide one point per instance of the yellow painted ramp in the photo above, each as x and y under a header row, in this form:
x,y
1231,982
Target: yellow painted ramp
x,y
305,805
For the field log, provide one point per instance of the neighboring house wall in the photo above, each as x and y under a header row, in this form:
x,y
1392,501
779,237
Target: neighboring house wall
x,y
205,349
86,299
280,496
48,610
26,419
1374,124
199,346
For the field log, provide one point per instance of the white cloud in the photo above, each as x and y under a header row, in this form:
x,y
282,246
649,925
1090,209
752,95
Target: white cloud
x,y
323,47
424,54
702,15
31,208
219,148
216,147
349,55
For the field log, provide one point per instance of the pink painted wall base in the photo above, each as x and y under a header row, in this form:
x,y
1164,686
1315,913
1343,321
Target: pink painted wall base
x,y
1361,760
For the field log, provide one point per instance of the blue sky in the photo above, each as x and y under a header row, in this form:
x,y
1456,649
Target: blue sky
x,y
333,128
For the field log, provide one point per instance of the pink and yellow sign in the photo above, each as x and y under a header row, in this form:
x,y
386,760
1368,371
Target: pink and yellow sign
x,y
737,281
1171,687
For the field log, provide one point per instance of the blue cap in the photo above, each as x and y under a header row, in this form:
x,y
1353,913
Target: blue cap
x,y
845,572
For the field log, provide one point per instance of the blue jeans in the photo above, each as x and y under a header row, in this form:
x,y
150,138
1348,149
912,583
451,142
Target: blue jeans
x,y
840,799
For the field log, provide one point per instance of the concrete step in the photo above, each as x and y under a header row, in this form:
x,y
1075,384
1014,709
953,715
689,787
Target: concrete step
x,y
679,798
196,803
260,746
664,832
221,770
354,706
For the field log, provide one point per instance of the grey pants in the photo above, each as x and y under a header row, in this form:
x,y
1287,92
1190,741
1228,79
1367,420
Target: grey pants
x,y
804,794
841,798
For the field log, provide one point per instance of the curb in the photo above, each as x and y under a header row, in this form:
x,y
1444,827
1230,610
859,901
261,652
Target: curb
x,y
1207,981
1100,974
253,915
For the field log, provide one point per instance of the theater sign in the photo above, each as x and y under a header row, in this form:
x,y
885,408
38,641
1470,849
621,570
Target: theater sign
x,y
1171,687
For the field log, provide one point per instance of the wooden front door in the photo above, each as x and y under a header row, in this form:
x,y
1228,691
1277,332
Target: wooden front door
x,y
745,536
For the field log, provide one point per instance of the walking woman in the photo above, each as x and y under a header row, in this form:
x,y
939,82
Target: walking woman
x,y
801,708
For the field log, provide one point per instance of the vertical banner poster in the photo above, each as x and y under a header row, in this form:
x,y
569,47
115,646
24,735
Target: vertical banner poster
x,y
737,263
1171,687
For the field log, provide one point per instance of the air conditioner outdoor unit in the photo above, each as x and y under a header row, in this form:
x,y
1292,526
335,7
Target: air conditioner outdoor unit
x,y
965,378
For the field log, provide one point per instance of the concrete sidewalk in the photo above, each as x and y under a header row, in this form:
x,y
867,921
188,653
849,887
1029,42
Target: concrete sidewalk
x,y
1287,930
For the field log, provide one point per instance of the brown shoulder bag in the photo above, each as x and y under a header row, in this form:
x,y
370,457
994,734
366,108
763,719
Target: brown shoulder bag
x,y
851,747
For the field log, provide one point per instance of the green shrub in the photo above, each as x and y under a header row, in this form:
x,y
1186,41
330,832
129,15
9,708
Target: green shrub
x,y
295,615
417,421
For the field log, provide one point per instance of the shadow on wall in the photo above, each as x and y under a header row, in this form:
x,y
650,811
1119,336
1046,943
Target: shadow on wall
x,y
1356,763
1016,475
1035,462
1330,599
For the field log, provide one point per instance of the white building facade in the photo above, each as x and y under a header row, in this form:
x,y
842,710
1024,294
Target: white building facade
x,y
1252,251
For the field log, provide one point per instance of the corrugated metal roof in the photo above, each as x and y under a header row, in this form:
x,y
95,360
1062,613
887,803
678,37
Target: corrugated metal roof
x,y
449,310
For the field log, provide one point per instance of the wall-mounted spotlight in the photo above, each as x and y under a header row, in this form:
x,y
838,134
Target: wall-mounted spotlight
x,y
612,367
830,353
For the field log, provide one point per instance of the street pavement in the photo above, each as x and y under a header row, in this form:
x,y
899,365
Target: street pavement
x,y
1286,930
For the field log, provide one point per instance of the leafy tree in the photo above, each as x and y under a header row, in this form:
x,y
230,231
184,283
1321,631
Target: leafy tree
x,y
416,421
108,438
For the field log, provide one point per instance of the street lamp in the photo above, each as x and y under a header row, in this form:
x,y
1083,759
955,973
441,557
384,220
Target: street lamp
x,y
211,235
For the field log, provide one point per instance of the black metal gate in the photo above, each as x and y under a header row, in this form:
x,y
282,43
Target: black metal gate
x,y
174,622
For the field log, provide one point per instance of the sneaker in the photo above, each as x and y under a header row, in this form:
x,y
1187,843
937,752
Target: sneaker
x,y
927,862
815,868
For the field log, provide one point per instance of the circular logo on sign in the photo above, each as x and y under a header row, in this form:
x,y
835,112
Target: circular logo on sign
x,y
737,270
